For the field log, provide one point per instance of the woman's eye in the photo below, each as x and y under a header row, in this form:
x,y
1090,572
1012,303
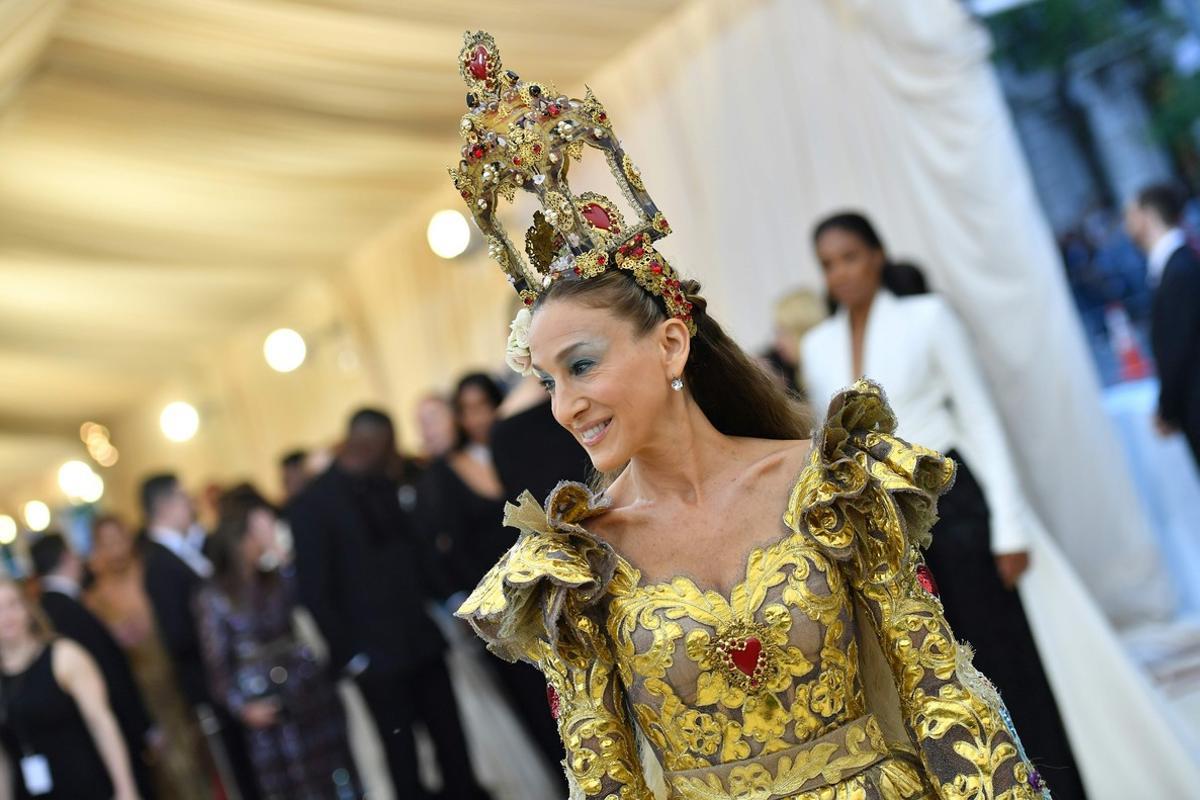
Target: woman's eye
x,y
580,367
548,384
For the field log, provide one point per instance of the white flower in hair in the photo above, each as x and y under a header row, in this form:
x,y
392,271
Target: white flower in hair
x,y
517,353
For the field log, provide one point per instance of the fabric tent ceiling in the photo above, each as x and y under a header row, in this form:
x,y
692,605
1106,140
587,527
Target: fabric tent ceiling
x,y
170,167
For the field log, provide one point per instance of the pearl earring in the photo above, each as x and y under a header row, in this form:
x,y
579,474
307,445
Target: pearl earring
x,y
677,384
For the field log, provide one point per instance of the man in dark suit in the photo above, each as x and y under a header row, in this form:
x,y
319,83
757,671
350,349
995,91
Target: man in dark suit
x,y
1173,268
175,570
60,571
365,577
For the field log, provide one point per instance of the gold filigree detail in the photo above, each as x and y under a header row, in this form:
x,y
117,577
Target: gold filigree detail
x,y
565,601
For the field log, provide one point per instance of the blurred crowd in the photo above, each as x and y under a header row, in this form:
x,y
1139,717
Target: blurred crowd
x,y
178,669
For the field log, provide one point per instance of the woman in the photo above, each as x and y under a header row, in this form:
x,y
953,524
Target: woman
x,y
59,733
460,506
435,423
678,594
917,348
117,595
460,496
259,670
763,658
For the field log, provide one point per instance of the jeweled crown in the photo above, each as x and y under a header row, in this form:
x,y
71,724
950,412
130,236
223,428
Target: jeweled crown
x,y
524,135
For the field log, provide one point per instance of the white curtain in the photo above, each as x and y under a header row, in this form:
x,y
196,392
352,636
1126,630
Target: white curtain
x,y
750,120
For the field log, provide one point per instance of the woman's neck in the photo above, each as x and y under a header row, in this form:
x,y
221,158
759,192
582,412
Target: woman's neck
x,y
682,459
15,655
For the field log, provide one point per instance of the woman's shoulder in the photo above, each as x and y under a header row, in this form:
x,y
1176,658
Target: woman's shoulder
x,y
860,470
556,571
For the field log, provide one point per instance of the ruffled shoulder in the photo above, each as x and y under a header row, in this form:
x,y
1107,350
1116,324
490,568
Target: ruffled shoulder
x,y
541,590
867,493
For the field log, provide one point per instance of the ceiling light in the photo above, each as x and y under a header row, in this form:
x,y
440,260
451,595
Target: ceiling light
x,y
73,478
284,350
179,421
37,515
92,489
8,529
448,233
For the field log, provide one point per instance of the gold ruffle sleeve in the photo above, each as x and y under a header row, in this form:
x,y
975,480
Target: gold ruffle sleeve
x,y
870,502
543,603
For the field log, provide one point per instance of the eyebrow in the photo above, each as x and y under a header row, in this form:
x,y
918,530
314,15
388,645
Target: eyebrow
x,y
566,353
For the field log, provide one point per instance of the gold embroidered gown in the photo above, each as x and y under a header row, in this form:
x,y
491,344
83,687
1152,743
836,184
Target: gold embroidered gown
x,y
828,672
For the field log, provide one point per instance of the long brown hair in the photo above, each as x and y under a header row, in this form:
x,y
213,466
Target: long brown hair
x,y
224,545
736,395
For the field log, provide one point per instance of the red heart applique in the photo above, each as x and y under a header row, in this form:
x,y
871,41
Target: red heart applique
x,y
745,657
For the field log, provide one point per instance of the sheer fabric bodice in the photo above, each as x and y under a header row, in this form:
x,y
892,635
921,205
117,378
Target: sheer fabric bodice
x,y
827,672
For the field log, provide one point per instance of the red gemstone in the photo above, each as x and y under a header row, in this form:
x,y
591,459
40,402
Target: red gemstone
x,y
552,699
477,152
465,194
552,109
925,578
597,216
517,161
601,260
638,252
602,116
662,224
478,62
537,149
656,268
746,656
529,302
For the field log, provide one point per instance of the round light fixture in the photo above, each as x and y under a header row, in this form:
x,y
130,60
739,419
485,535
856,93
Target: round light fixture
x,y
284,350
73,478
179,421
37,515
93,489
448,233
8,529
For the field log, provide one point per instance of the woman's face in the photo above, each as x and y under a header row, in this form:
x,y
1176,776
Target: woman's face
x,y
608,386
435,420
853,269
260,535
112,547
14,616
476,414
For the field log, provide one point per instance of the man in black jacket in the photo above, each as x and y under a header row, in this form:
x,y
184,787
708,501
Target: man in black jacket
x,y
61,573
365,577
175,570
1173,268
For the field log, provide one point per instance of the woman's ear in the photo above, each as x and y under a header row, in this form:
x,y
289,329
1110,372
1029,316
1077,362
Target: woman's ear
x,y
676,344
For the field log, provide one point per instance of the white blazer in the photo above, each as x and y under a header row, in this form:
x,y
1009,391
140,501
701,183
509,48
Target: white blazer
x,y
916,348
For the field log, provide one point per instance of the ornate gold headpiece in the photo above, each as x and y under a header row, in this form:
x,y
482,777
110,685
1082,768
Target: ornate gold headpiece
x,y
524,135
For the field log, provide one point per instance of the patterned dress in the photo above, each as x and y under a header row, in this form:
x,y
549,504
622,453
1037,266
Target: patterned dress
x,y
827,673
252,653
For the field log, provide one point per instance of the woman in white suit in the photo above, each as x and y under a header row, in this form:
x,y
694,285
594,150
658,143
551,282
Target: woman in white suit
x,y
917,349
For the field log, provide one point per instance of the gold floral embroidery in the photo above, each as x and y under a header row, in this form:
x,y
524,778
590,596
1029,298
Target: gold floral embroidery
x,y
609,645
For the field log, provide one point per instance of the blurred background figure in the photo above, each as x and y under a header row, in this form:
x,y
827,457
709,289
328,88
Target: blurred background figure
x,y
58,731
117,595
461,497
917,349
796,313
258,668
461,510
294,474
60,573
1173,270
174,570
436,425
365,575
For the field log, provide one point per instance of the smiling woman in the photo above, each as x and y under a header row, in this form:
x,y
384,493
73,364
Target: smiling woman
x,y
756,606
639,352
